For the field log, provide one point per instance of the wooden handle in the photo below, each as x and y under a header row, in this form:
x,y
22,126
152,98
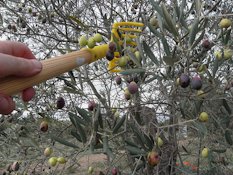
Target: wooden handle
x,y
51,68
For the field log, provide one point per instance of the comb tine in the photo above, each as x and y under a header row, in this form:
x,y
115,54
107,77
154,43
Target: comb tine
x,y
130,30
129,35
117,29
136,24
132,43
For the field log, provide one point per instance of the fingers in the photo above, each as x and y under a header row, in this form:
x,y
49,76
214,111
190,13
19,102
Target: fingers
x,y
28,94
16,59
7,105
16,49
18,66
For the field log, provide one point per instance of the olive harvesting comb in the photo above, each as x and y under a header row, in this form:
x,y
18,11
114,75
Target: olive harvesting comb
x,y
119,34
58,65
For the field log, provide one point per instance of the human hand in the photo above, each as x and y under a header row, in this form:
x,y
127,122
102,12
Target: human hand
x,y
18,60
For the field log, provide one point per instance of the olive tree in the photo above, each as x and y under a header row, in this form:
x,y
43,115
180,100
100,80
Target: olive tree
x,y
146,118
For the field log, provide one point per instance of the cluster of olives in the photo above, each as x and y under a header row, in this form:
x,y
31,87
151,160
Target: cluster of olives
x,y
12,27
227,53
60,103
53,160
132,82
34,13
22,23
90,42
184,81
195,82
132,87
111,49
123,61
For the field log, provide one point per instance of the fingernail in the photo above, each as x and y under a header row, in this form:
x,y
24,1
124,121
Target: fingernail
x,y
37,64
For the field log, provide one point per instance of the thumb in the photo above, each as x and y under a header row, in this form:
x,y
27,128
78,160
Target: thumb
x,y
11,65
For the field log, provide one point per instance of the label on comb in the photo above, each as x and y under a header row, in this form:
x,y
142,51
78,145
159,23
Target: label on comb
x,y
80,61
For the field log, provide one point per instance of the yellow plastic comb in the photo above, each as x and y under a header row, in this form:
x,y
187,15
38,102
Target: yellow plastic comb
x,y
119,33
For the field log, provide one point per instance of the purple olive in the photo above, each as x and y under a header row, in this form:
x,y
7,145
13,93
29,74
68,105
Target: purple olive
x,y
206,44
184,80
118,80
60,103
109,55
132,87
196,83
112,46
114,171
91,105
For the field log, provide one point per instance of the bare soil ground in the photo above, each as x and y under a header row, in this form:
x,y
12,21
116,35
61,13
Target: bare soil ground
x,y
98,161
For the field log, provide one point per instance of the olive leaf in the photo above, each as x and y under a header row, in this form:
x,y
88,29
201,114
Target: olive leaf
x,y
228,137
132,71
149,53
193,32
135,150
118,125
170,22
62,141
